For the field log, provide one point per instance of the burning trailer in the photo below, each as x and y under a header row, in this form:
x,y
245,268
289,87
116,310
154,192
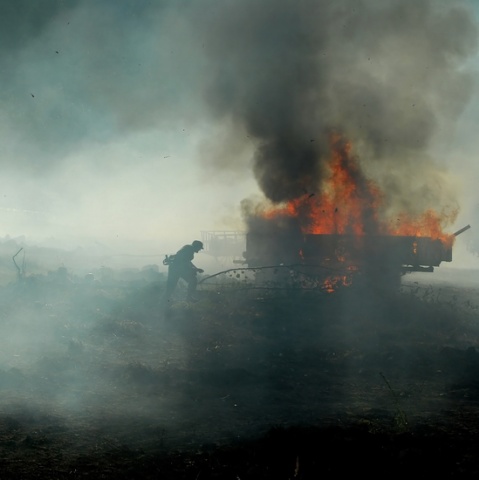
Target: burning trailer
x,y
339,259
346,231
407,253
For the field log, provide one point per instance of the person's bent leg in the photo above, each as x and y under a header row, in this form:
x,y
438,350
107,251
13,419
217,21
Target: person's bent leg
x,y
171,283
192,284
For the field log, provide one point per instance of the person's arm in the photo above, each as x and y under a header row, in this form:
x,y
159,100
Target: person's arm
x,y
196,269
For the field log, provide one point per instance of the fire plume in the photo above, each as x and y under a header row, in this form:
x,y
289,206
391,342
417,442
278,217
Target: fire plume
x,y
350,204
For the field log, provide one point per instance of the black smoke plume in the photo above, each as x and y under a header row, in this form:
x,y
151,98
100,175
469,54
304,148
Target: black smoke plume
x,y
387,75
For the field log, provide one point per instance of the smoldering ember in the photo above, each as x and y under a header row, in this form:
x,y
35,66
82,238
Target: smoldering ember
x,y
333,327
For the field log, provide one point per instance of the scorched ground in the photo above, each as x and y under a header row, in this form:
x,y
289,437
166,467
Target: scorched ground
x,y
98,382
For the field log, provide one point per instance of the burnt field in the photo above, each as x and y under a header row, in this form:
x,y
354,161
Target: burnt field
x,y
99,379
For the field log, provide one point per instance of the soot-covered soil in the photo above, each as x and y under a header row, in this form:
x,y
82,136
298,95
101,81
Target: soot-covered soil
x,y
100,380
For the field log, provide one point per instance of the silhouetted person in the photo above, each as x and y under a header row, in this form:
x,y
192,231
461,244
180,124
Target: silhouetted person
x,y
182,267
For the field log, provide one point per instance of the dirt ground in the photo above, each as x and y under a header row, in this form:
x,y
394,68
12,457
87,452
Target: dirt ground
x,y
98,379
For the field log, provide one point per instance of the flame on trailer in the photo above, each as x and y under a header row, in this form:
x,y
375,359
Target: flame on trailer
x,y
351,204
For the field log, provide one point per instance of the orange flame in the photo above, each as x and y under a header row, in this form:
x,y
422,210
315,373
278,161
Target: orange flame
x,y
428,224
350,204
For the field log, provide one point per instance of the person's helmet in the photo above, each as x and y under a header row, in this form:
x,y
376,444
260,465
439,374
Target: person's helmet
x,y
197,245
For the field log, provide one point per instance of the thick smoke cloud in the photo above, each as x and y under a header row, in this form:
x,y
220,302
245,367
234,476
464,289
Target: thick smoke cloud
x,y
387,75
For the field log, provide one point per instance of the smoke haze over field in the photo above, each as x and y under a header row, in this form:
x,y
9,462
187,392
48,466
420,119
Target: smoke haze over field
x,y
143,123
128,127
